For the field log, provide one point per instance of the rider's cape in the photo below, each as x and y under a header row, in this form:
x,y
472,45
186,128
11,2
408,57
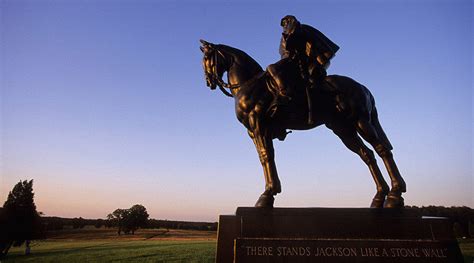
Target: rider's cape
x,y
317,42
309,41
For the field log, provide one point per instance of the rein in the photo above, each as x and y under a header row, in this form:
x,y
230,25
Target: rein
x,y
222,85
228,94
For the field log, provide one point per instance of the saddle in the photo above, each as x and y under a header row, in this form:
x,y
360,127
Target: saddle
x,y
275,105
323,86
272,86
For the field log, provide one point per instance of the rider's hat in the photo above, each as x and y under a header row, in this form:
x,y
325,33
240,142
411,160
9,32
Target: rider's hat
x,y
288,18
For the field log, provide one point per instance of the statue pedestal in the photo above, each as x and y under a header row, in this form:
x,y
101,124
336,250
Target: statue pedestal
x,y
334,235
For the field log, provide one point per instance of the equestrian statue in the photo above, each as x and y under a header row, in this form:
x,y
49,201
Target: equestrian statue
x,y
295,93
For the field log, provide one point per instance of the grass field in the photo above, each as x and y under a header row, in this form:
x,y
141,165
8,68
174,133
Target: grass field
x,y
467,248
104,245
118,251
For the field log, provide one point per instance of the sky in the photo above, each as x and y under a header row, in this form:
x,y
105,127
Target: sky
x,y
104,104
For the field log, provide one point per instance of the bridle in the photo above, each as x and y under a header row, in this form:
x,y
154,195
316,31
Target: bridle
x,y
218,80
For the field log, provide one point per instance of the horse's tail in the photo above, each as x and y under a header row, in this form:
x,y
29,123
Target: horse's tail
x,y
376,124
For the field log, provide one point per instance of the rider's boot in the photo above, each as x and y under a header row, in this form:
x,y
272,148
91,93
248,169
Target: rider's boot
x,y
277,82
281,98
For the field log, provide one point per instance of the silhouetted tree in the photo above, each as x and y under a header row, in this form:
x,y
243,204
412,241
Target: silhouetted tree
x,y
138,217
110,221
121,218
19,220
128,220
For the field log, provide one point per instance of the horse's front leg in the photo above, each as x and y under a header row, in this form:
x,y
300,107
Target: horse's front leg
x,y
264,145
265,151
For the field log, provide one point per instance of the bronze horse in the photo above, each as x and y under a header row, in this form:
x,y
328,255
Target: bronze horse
x,y
343,105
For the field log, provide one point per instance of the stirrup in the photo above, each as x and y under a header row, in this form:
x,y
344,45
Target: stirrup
x,y
272,109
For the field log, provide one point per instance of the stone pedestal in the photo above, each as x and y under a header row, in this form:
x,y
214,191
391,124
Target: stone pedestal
x,y
334,235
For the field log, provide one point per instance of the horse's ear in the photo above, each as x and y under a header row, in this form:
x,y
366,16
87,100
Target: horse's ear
x,y
202,49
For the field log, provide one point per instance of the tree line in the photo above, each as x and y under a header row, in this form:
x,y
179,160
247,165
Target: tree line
x,y
20,222
52,223
461,216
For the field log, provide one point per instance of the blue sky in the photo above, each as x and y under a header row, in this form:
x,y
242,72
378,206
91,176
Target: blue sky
x,y
104,104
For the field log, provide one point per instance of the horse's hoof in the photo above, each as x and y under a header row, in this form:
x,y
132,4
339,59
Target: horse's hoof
x,y
394,201
377,203
378,200
265,201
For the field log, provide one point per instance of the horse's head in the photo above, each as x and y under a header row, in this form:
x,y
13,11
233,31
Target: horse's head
x,y
213,63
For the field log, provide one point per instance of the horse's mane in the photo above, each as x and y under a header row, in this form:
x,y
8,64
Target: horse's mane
x,y
239,53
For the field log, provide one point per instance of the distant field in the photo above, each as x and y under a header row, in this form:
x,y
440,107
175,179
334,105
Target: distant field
x,y
104,245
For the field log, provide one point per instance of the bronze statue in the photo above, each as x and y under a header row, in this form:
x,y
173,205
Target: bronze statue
x,y
342,104
310,49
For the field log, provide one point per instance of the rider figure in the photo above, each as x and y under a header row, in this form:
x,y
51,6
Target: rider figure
x,y
311,50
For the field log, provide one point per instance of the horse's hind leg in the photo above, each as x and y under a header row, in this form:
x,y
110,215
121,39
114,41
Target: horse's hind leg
x,y
372,132
351,140
394,198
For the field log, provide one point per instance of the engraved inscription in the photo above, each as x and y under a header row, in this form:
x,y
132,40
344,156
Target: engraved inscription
x,y
259,251
293,251
254,248
344,251
435,253
335,252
